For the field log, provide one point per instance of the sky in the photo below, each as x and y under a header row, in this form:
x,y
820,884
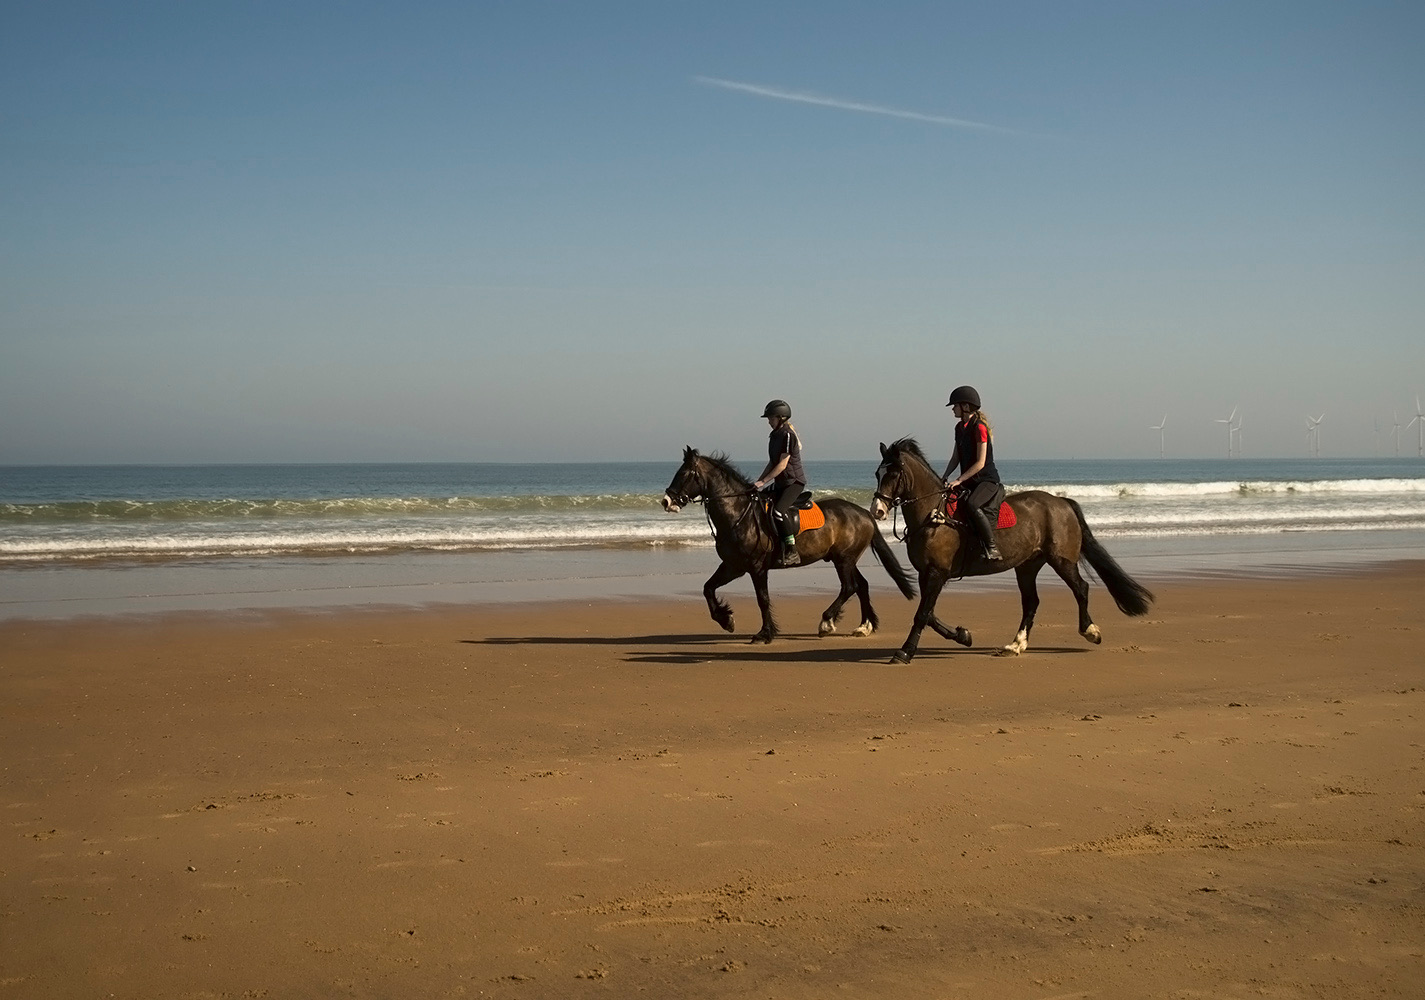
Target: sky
x,y
500,231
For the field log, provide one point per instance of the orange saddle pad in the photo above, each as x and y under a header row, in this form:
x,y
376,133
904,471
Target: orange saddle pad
x,y
814,518
1006,514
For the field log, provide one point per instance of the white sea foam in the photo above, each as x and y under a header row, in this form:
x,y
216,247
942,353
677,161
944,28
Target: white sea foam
x,y
331,507
1096,491
199,542
174,528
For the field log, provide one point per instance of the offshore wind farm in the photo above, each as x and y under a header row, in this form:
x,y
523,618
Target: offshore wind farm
x,y
1368,443
1418,422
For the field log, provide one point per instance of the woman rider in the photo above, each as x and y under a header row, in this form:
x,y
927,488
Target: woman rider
x,y
975,454
784,467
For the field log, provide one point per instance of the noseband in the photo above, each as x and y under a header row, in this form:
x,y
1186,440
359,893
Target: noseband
x,y
894,502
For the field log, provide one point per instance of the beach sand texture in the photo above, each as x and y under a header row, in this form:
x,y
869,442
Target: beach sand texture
x,y
1225,799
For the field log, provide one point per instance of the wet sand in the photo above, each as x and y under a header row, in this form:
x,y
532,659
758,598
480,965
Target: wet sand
x,y
1225,799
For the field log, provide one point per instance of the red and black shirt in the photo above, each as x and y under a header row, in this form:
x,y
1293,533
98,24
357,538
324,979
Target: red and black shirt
x,y
968,435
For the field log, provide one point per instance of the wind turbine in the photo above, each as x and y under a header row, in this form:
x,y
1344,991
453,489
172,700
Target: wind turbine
x,y
1395,431
1238,430
1419,419
1159,428
1313,434
1228,422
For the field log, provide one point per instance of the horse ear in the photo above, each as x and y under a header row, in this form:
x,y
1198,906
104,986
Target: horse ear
x,y
883,449
689,453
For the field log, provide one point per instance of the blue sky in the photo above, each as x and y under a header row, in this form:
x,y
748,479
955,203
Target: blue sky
x,y
547,231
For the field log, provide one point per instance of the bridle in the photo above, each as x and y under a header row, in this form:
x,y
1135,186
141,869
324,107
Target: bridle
x,y
684,499
894,502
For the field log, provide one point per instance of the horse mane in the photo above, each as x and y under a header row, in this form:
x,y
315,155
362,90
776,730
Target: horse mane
x,y
908,446
724,467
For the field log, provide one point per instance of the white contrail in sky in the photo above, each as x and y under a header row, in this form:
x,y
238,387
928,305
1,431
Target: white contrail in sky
x,y
843,105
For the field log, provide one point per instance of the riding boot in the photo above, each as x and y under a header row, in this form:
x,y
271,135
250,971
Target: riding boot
x,y
980,522
790,557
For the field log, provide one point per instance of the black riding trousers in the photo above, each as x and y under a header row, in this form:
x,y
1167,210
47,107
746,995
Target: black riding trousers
x,y
782,501
987,495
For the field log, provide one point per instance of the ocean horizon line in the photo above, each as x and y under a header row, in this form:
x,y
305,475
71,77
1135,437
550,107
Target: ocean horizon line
x,y
328,463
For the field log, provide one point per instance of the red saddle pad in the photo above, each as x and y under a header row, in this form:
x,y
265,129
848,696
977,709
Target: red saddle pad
x,y
1006,514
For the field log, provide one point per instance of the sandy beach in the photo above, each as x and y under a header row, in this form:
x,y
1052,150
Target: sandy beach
x,y
1225,799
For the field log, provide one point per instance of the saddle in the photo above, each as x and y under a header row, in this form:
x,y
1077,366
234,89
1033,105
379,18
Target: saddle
x,y
1006,513
805,515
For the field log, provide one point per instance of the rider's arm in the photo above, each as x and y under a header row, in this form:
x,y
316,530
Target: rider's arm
x,y
981,453
950,467
773,470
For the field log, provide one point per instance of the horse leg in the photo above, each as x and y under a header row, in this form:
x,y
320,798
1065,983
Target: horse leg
x,y
764,603
720,611
930,583
1029,603
870,621
958,634
1069,570
832,614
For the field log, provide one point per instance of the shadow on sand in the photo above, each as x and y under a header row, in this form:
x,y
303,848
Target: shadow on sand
x,y
720,649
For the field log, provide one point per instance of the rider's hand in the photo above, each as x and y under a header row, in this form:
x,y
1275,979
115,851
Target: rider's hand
x,y
757,485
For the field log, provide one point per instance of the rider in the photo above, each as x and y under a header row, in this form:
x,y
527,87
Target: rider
x,y
975,454
784,466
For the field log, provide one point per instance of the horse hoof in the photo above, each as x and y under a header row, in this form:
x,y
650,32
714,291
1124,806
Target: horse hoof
x,y
826,627
726,624
759,637
899,656
864,629
1092,634
1008,651
963,637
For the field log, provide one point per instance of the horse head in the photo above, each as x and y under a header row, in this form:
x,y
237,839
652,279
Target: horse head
x,y
704,477
898,477
688,483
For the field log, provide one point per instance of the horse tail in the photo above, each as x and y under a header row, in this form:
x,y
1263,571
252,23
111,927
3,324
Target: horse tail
x,y
887,558
1131,596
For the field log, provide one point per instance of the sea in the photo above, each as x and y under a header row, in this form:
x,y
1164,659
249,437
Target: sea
x,y
117,540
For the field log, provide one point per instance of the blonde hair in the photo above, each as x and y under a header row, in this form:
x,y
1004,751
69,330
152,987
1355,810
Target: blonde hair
x,y
982,418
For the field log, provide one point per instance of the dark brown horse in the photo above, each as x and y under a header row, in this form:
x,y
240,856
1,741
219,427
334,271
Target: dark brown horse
x,y
1050,530
747,544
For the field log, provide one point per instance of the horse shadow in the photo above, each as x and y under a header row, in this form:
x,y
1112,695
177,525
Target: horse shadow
x,y
720,649
812,657
589,640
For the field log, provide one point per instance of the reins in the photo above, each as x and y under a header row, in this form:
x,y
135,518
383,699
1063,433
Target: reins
x,y
753,496
894,503
707,510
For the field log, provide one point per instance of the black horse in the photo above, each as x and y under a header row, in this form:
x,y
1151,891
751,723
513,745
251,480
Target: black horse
x,y
1050,530
747,544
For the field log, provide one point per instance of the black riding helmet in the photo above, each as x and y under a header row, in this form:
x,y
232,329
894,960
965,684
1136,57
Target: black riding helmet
x,y
965,394
778,408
